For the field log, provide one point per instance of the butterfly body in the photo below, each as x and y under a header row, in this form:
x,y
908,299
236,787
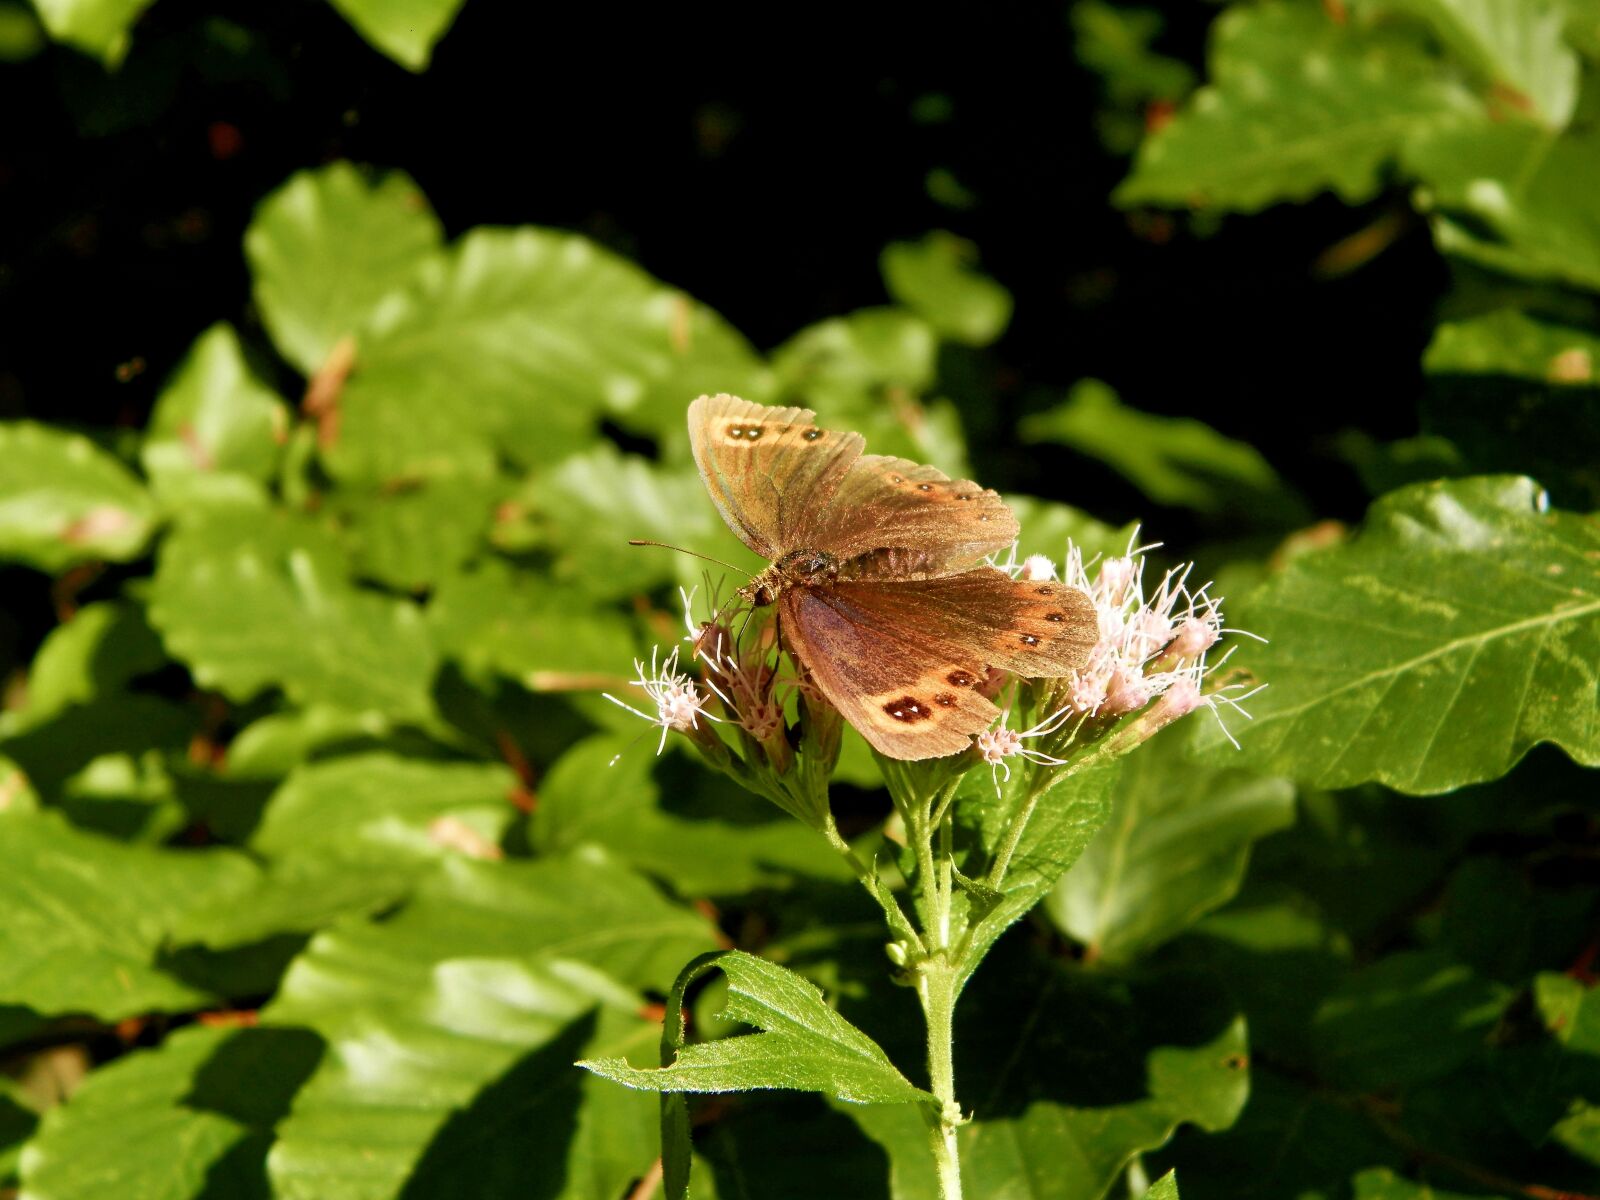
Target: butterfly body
x,y
877,572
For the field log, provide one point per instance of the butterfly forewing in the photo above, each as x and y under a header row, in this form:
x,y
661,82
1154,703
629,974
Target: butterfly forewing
x,y
900,659
890,504
770,471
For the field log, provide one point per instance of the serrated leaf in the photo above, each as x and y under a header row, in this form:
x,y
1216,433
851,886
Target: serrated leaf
x,y
1298,103
254,598
214,425
516,342
87,918
937,279
455,1077
65,501
804,1045
353,834
1514,46
1176,461
1176,848
328,246
1064,822
494,619
190,1118
589,798
412,535
1460,628
97,27
1514,197
405,31
1165,1188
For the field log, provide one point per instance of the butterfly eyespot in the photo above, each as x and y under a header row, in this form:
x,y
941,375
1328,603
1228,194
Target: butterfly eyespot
x,y
812,435
983,516
966,496
1046,591
944,699
958,679
907,708
1056,617
1029,640
924,487
896,479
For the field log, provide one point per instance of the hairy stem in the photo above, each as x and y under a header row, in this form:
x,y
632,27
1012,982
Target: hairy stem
x,y
899,923
937,988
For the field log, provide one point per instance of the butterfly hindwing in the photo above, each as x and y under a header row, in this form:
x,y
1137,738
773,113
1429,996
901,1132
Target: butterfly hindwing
x,y
900,659
770,471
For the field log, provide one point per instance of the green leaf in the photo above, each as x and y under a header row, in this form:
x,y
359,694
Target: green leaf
x,y
354,834
804,1045
1048,527
1298,104
254,598
99,651
1114,42
1460,628
65,501
1514,198
1406,1019
592,503
599,793
97,27
1165,1188
1176,461
936,279
1514,46
406,30
330,244
455,1077
214,422
792,1147
516,342
1176,848
87,917
188,1119
494,619
1063,824
412,535
1517,393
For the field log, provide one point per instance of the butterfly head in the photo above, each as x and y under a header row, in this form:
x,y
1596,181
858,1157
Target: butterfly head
x,y
797,568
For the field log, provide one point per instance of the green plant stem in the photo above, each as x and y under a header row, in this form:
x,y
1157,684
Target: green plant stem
x,y
899,923
1015,829
937,988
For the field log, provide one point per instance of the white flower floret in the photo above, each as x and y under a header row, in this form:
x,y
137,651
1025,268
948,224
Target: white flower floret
x,y
679,704
1002,742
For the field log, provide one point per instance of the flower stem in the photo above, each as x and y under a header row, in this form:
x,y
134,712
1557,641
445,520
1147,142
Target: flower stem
x,y
899,924
937,988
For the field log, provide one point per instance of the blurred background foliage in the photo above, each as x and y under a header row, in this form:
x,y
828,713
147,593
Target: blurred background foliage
x,y
344,346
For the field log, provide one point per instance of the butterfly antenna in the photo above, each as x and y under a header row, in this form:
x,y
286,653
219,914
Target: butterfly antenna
x,y
691,553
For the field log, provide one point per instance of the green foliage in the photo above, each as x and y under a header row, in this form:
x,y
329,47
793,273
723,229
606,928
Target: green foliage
x,y
1459,629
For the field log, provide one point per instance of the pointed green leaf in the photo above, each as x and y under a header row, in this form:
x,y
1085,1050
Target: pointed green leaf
x,y
214,423
253,598
1176,848
328,246
1460,628
1165,1188
99,651
937,279
97,27
64,501
804,1045
1298,103
1176,461
405,30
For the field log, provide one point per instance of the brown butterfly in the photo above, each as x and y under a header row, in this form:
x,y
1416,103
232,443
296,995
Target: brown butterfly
x,y
876,572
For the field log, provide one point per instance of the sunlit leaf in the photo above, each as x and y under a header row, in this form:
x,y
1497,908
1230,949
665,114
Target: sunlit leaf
x,y
253,598
63,500
214,421
1298,103
937,279
328,246
87,917
1460,628
97,27
103,647
405,31
1176,847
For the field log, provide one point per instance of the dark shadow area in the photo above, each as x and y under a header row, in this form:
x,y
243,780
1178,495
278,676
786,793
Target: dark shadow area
x,y
782,1146
240,971
510,1143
